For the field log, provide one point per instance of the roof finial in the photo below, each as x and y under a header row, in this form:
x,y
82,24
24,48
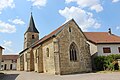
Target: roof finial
x,y
109,31
31,9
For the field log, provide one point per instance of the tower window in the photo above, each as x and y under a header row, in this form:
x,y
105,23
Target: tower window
x,y
33,37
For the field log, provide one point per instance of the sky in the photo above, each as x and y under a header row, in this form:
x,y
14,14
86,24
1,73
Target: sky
x,y
90,15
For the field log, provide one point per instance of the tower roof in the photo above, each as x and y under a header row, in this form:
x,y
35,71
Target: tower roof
x,y
31,27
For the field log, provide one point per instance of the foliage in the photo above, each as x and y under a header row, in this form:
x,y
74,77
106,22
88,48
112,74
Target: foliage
x,y
106,62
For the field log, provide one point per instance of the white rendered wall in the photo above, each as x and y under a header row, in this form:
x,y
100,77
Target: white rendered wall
x,y
113,47
93,48
8,63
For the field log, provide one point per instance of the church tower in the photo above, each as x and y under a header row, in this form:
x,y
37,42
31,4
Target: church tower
x,y
31,35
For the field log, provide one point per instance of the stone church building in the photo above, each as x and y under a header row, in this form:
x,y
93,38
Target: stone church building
x,y
63,51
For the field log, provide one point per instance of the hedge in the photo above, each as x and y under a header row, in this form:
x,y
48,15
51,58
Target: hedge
x,y
106,62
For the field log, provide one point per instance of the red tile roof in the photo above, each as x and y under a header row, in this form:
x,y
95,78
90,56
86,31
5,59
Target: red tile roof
x,y
102,37
9,57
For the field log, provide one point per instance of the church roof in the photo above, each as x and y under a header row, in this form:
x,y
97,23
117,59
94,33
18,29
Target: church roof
x,y
31,27
54,33
1,47
102,37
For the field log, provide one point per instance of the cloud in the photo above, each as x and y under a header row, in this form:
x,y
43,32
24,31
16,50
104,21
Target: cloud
x,y
115,1
38,3
17,21
5,4
7,45
91,4
84,19
6,27
117,27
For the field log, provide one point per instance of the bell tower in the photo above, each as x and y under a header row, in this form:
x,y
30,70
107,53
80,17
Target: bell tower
x,y
32,34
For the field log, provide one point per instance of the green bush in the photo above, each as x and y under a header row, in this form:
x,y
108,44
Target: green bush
x,y
106,62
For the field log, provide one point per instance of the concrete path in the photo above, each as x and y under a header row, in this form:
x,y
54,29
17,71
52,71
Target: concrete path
x,y
21,75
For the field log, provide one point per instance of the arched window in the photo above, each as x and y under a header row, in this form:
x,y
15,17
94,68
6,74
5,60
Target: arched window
x,y
73,52
47,52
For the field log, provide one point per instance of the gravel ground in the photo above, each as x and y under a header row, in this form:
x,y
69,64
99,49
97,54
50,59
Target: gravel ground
x,y
22,75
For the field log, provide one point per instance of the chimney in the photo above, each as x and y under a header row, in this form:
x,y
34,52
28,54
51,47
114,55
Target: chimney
x,y
109,31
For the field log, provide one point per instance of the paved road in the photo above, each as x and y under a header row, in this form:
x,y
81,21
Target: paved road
x,y
21,75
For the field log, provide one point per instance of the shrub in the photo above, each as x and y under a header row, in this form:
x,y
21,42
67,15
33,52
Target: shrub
x,y
106,62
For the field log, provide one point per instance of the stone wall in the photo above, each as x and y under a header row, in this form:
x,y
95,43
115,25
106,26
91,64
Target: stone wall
x,y
71,33
28,39
0,56
38,59
21,62
48,61
18,64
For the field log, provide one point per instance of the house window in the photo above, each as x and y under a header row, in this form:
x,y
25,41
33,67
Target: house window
x,y
47,52
119,49
14,61
73,52
106,50
33,37
2,60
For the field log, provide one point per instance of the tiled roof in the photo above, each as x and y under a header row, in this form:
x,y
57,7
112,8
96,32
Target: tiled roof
x,y
9,57
102,37
52,34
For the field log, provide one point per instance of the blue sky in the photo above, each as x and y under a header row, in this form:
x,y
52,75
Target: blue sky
x,y
90,15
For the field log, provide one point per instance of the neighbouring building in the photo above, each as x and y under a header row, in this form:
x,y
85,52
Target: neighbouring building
x,y
63,51
1,50
103,43
9,62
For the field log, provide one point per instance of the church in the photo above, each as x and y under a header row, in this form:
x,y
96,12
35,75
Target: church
x,y
63,51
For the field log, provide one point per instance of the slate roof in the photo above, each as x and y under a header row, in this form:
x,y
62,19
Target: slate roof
x,y
102,37
9,57
31,27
